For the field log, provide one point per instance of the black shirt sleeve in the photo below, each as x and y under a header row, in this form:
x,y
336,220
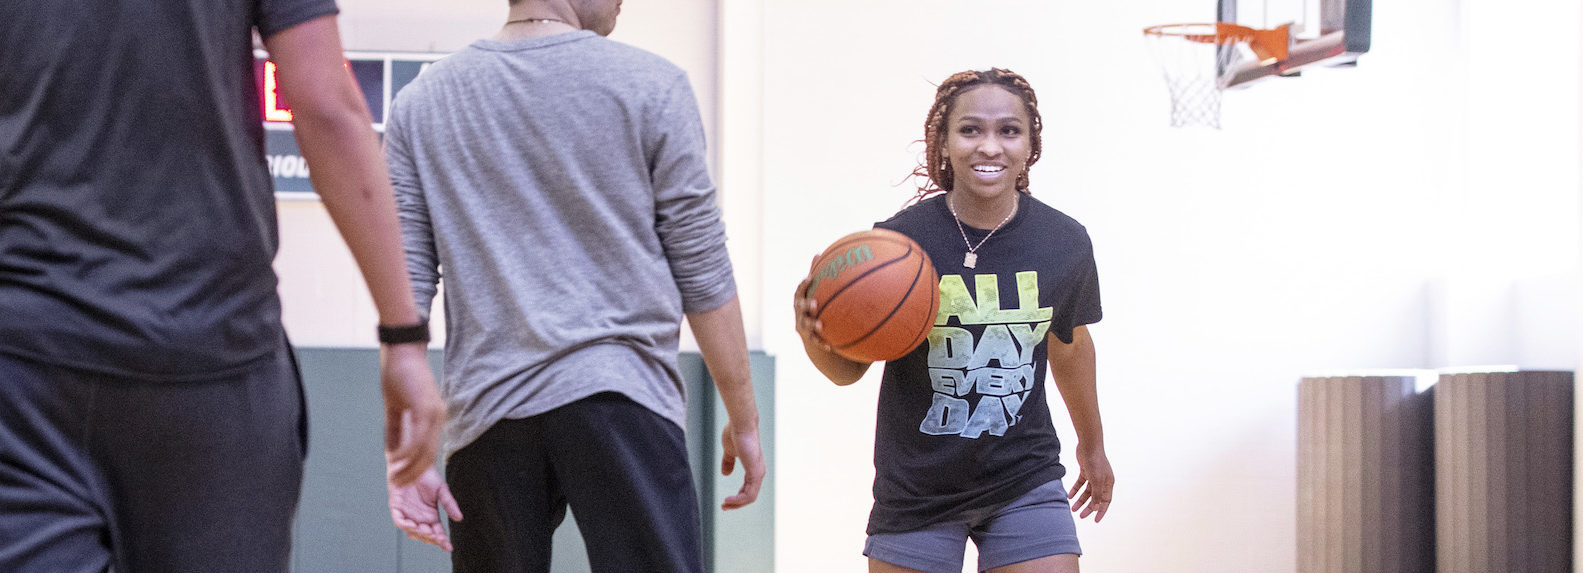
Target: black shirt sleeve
x,y
1082,301
275,16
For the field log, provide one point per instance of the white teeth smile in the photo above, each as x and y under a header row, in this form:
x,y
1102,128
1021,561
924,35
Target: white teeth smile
x,y
988,169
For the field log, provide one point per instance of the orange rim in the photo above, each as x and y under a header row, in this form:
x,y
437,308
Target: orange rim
x,y
1271,44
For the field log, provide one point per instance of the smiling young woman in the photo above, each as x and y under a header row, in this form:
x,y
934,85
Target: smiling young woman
x,y
987,148
965,447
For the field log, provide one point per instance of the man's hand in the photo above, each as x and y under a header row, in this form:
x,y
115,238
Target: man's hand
x,y
415,508
742,446
414,412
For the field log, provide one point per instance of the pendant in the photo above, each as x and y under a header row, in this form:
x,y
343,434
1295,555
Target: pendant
x,y
970,260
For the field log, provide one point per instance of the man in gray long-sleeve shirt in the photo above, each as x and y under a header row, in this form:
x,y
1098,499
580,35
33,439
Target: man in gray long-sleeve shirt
x,y
558,179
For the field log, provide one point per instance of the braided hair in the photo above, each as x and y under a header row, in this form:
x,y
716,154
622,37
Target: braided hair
x,y
935,172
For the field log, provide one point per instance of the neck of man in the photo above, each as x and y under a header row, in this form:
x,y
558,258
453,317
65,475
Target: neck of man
x,y
529,19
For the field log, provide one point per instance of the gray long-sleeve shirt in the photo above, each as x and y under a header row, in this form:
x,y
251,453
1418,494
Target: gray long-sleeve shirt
x,y
560,184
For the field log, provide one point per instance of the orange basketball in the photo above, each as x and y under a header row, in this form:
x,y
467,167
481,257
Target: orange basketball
x,y
877,295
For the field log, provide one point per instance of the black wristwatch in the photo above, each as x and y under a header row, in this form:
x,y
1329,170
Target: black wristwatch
x,y
403,334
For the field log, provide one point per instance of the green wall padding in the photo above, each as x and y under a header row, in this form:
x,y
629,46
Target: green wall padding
x,y
343,523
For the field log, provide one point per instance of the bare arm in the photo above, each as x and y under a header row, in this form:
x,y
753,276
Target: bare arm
x,y
335,134
1072,369
725,350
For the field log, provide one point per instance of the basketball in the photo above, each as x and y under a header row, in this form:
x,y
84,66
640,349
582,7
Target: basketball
x,y
877,294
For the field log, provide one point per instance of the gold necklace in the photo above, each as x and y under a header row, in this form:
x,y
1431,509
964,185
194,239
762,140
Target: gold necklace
x,y
970,260
527,20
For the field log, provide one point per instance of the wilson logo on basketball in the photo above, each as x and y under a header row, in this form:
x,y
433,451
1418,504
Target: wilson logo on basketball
x,y
853,257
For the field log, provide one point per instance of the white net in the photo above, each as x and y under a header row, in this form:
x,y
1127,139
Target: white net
x,y
1194,58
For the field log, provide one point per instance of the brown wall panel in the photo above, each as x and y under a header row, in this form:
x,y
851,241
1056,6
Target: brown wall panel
x,y
1365,476
1504,472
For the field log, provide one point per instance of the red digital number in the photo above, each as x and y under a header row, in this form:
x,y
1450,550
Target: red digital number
x,y
273,110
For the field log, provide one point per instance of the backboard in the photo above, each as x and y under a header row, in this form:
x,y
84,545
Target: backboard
x,y
1322,33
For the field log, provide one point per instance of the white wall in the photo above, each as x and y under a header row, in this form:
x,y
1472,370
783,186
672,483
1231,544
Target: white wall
x,y
1338,221
1517,249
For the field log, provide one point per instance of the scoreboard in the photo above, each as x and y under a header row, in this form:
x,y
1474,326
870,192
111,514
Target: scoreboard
x,y
379,75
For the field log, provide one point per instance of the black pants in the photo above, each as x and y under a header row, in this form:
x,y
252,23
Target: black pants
x,y
621,467
98,472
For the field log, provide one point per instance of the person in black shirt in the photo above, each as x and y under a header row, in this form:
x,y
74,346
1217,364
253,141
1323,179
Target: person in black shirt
x,y
152,415
965,447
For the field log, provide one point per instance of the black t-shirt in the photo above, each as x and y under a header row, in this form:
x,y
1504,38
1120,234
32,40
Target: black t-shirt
x,y
963,419
137,222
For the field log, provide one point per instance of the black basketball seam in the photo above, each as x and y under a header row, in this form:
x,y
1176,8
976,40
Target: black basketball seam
x,y
910,287
934,296
849,283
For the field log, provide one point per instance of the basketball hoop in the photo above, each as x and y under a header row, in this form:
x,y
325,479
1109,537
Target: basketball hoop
x,y
1195,58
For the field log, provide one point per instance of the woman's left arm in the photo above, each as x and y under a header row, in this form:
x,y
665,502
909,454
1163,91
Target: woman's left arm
x,y
1072,369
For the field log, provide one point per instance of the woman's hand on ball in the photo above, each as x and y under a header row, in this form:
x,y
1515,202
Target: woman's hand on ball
x,y
804,309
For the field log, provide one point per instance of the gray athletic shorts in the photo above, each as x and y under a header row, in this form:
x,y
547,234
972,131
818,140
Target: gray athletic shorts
x,y
1038,524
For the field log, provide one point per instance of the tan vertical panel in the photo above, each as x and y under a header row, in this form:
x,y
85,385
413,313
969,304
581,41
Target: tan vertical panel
x,y
1541,403
1561,386
1479,471
1371,410
1557,498
1444,518
1303,487
1456,390
1536,404
1421,492
1539,536
1565,384
1307,506
1498,445
1515,453
1450,517
1328,426
1352,474
1335,465
1362,452
1390,478
1462,478
1505,484
1313,472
